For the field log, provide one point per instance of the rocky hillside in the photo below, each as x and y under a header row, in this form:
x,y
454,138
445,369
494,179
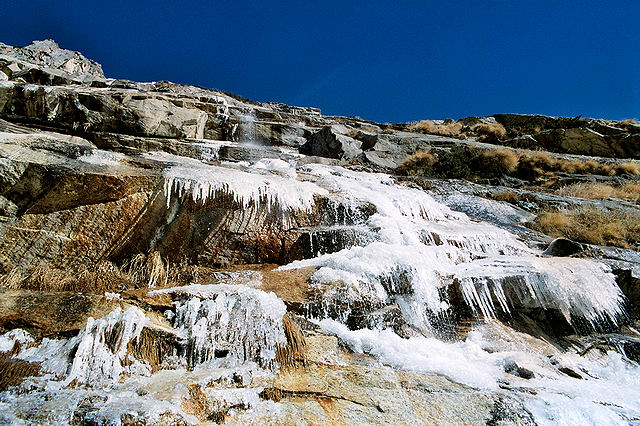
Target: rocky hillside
x,y
174,254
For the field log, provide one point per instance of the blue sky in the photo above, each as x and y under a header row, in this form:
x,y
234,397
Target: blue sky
x,y
384,61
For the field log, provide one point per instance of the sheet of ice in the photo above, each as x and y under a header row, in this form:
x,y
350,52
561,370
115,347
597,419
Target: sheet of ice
x,y
418,239
608,393
102,158
276,165
210,149
576,287
415,239
246,187
54,355
459,361
10,338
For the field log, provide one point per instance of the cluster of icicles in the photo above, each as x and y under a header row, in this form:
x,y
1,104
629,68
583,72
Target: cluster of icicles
x,y
412,236
232,324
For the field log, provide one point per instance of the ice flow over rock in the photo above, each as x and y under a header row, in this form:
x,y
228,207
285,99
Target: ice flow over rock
x,y
418,240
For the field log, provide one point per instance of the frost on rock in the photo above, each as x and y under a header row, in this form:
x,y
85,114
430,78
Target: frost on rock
x,y
235,322
575,287
101,356
246,188
102,158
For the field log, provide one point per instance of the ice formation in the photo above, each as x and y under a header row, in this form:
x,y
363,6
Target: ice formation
x,y
102,158
608,393
227,334
572,286
246,188
419,240
102,352
10,338
236,322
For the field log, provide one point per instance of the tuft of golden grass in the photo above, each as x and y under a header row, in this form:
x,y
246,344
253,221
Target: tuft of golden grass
x,y
150,270
629,168
419,163
619,228
13,371
501,161
600,191
294,351
429,126
629,121
490,130
139,272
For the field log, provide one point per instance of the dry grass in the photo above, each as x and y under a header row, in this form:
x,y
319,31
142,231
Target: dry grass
x,y
419,163
152,346
139,272
494,162
490,130
629,121
500,161
600,191
151,269
629,168
619,228
13,371
486,131
513,197
429,126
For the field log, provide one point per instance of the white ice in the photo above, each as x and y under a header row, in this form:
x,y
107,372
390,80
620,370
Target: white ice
x,y
608,393
247,187
417,237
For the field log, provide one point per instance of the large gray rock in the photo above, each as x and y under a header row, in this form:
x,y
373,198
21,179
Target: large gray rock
x,y
328,143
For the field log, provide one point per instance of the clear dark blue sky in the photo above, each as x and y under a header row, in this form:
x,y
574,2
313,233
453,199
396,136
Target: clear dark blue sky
x,y
384,61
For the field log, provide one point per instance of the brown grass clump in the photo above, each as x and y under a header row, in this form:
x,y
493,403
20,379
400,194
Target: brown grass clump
x,y
620,228
150,270
139,272
500,161
629,121
419,163
153,346
513,197
629,168
429,126
490,130
464,163
600,191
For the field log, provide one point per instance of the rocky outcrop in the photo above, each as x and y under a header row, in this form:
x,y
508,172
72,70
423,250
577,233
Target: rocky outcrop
x,y
49,55
327,143
583,136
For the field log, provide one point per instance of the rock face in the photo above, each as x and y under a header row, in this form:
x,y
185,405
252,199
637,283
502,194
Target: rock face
x,y
176,255
327,143
48,54
584,136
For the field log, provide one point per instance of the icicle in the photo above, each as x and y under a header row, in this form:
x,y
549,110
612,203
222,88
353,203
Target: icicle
x,y
204,182
102,348
237,322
